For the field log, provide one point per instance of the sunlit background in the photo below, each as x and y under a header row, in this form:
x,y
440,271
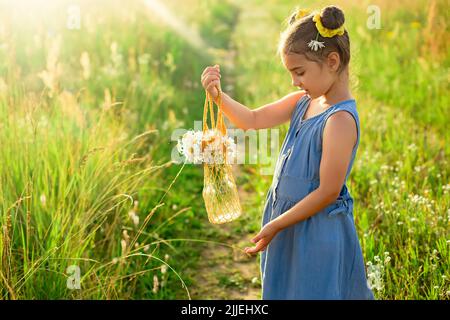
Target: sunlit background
x,y
91,92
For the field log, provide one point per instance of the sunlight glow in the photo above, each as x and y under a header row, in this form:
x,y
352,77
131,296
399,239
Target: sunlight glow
x,y
174,22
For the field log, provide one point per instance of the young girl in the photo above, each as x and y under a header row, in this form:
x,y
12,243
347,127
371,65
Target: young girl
x,y
309,244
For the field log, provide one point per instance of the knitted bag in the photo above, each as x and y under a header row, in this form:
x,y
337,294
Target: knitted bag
x,y
219,191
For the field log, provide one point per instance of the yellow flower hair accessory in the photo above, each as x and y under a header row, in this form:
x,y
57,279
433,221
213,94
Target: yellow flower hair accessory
x,y
301,13
325,32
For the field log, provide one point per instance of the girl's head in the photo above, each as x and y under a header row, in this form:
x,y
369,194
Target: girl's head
x,y
315,70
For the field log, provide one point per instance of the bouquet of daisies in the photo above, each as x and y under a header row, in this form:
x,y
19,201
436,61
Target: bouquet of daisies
x,y
209,146
217,152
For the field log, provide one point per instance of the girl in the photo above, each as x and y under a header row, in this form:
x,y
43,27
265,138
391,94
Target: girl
x,y
310,248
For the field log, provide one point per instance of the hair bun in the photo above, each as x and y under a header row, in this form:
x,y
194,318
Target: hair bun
x,y
332,17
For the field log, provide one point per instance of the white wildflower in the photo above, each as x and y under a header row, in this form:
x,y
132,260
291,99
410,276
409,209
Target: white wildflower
x,y
231,149
213,154
375,277
144,58
315,45
123,244
155,284
86,65
43,199
412,147
190,146
375,272
134,217
125,235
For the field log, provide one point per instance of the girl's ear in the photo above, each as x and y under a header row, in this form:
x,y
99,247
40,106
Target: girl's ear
x,y
333,61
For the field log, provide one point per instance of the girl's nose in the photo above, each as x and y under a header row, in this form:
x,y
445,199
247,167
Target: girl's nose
x,y
296,84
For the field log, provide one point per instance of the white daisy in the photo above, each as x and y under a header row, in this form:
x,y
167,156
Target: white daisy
x,y
315,45
190,147
231,149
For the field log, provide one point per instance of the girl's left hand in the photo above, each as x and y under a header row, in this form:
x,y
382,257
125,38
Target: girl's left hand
x,y
263,238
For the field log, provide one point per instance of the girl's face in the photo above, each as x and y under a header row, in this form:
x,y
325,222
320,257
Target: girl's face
x,y
316,79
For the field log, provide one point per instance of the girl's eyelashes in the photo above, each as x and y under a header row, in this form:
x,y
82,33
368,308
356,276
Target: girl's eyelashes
x,y
300,74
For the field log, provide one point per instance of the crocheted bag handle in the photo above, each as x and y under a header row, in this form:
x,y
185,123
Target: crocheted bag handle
x,y
220,124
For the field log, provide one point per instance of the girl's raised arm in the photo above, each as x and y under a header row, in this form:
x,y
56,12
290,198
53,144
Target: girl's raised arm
x,y
266,116
277,112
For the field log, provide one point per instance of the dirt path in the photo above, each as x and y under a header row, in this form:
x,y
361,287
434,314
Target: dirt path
x,y
226,273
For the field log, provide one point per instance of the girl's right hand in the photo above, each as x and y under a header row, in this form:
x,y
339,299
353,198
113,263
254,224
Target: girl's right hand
x,y
211,80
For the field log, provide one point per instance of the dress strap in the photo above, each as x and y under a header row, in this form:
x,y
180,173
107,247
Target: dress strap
x,y
298,111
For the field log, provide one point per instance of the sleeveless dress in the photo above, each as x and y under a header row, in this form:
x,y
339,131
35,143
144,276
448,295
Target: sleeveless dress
x,y
320,257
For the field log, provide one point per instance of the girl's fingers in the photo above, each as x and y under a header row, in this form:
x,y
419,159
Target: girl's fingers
x,y
217,74
210,69
207,69
210,77
212,85
207,81
259,247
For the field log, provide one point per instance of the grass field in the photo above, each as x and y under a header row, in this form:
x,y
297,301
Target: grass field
x,y
90,98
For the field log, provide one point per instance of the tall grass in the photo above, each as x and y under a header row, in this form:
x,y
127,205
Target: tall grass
x,y
85,168
87,116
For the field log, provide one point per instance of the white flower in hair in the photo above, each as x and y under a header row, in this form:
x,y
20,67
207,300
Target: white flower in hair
x,y
315,45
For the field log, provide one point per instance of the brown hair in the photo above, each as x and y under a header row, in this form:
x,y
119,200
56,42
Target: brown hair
x,y
295,38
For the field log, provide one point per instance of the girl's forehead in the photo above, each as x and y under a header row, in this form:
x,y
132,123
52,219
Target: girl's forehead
x,y
294,60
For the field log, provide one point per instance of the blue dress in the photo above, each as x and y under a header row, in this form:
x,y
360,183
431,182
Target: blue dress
x,y
320,257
